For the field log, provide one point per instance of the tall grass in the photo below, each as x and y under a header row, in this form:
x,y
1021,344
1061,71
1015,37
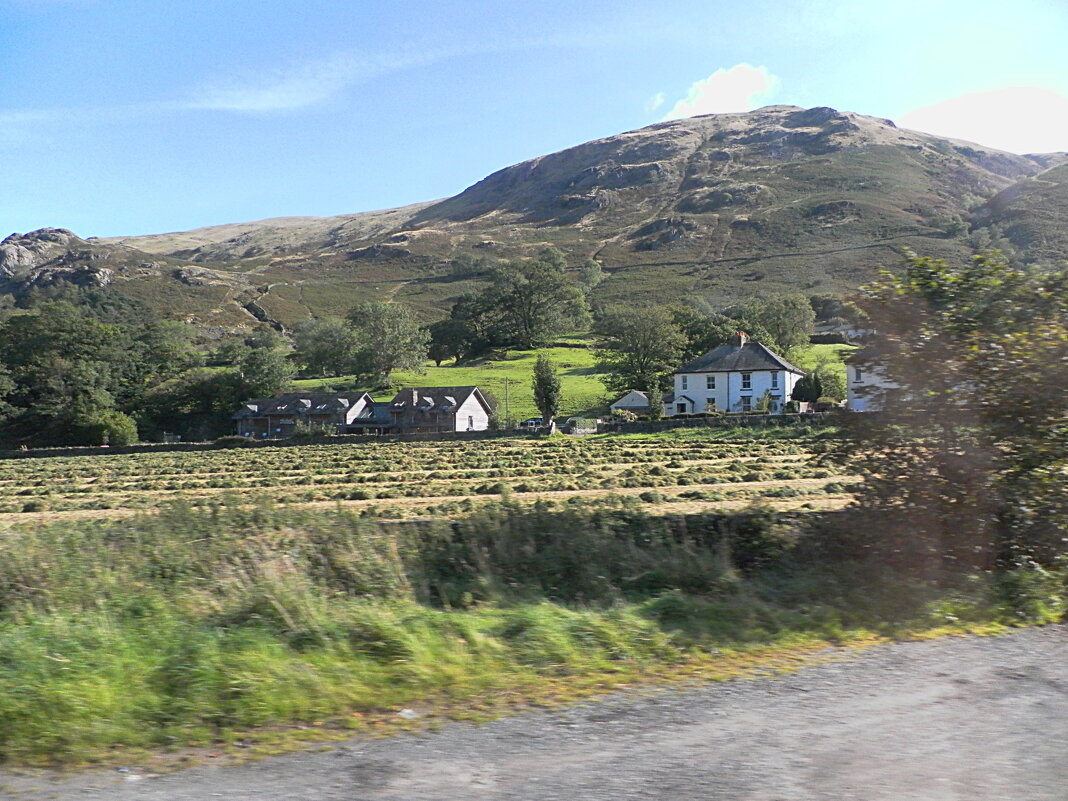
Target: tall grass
x,y
188,626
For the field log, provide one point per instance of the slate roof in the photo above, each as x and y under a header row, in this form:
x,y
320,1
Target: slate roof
x,y
732,358
295,403
442,399
671,398
630,392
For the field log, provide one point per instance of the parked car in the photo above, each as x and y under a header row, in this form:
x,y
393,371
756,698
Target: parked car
x,y
531,423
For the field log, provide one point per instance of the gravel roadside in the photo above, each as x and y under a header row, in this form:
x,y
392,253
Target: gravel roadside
x,y
958,719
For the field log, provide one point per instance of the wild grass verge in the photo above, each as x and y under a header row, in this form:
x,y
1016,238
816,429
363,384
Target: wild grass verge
x,y
199,626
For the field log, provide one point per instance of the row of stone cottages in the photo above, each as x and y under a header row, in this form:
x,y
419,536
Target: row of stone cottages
x,y
414,410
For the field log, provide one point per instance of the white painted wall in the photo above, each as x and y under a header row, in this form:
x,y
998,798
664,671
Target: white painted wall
x,y
471,416
728,392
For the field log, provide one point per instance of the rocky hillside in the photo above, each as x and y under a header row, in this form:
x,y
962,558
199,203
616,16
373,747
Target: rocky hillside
x,y
719,206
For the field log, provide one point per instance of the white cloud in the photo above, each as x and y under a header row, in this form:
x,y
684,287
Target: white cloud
x,y
300,86
741,88
655,102
1019,119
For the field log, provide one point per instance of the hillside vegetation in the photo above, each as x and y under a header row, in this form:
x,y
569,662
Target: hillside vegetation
x,y
720,207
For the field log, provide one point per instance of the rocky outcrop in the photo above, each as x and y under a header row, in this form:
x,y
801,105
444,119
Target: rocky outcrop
x,y
51,256
20,254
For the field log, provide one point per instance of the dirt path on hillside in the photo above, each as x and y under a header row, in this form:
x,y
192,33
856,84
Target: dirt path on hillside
x,y
965,719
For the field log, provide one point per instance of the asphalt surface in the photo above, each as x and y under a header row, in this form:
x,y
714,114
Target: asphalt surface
x,y
960,719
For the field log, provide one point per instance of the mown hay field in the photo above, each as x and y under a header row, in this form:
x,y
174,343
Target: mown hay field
x,y
698,468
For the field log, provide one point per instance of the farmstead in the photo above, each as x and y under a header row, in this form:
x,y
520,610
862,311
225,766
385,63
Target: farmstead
x,y
416,410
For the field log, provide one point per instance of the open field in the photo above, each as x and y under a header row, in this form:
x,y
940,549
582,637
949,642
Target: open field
x,y
249,599
698,467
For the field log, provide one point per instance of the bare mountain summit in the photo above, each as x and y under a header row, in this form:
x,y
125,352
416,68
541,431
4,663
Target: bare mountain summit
x,y
720,206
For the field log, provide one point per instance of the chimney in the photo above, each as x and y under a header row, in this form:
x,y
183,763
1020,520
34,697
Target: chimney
x,y
739,339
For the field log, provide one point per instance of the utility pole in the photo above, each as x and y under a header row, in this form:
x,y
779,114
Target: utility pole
x,y
507,406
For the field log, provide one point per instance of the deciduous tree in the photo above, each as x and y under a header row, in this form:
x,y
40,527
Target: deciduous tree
x,y
326,347
390,338
966,464
787,319
638,349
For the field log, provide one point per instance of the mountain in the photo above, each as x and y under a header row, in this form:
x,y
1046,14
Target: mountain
x,y
720,206
1032,215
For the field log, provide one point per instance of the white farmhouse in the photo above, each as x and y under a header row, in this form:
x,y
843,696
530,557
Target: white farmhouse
x,y
733,378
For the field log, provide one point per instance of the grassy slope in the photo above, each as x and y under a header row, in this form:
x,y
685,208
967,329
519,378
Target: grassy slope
x,y
583,392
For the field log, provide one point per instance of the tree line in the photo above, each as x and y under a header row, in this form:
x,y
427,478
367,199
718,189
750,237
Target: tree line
x,y
85,366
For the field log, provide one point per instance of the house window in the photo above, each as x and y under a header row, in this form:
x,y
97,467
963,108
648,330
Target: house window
x,y
710,382
683,380
747,380
774,380
470,422
858,376
747,403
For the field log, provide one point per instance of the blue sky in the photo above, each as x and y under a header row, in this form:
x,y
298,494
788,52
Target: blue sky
x,y
142,116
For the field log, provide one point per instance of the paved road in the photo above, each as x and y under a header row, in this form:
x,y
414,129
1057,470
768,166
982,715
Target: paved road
x,y
950,720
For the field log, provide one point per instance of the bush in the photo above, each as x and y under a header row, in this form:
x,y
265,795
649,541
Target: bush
x,y
234,441
104,428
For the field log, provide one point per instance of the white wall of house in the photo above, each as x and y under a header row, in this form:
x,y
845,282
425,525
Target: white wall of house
x,y
732,391
863,384
471,415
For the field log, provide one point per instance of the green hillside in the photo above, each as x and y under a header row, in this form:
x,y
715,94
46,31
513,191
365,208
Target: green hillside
x,y
509,379
717,207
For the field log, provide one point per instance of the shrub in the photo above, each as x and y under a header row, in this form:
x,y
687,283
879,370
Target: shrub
x,y
234,441
104,428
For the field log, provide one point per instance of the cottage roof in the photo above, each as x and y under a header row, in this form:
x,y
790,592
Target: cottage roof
x,y
440,399
302,403
731,358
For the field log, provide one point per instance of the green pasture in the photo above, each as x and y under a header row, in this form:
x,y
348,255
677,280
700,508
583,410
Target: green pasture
x,y
509,378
